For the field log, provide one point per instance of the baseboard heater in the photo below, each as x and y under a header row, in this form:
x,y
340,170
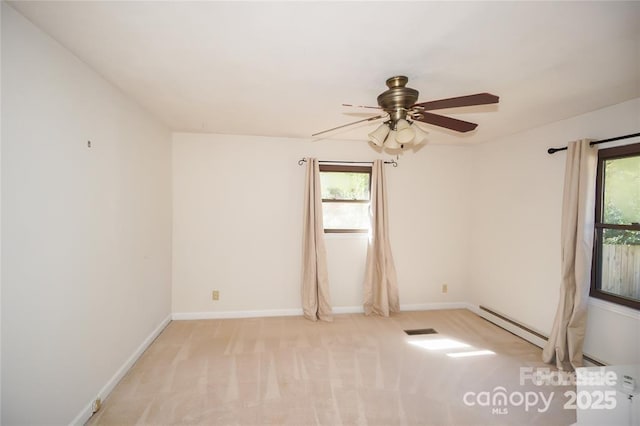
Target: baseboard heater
x,y
529,331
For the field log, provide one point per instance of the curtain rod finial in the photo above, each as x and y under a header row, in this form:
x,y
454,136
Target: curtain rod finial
x,y
554,150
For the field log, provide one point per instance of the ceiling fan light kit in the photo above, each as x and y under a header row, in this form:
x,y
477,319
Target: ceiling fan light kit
x,y
378,136
420,135
392,141
399,102
405,133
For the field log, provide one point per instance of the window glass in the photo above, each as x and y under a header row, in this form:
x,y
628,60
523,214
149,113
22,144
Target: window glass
x,y
616,260
622,190
344,186
345,215
621,263
345,197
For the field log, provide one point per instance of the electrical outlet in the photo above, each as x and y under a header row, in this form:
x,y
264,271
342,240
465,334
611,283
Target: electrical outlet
x,y
215,295
445,288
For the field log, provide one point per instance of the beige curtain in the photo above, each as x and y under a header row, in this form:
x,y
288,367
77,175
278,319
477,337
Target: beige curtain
x,y
578,206
380,282
316,302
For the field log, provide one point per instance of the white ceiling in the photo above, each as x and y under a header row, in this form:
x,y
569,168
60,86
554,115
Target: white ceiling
x,y
284,69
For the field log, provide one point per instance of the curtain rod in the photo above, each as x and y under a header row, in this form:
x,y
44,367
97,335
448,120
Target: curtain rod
x,y
633,135
304,160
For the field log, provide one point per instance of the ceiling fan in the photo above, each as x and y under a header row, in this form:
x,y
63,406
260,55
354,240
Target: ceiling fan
x,y
399,104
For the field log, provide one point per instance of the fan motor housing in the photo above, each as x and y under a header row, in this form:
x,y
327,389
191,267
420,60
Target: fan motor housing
x,y
398,99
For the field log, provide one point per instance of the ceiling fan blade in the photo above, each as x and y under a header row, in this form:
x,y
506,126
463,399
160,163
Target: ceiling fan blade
x,y
447,122
349,124
360,106
461,101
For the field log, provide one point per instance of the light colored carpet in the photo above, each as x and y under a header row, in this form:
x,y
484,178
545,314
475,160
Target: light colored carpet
x,y
357,370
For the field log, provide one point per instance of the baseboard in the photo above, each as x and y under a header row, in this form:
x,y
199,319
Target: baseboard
x,y
348,310
435,306
87,412
298,311
236,314
532,336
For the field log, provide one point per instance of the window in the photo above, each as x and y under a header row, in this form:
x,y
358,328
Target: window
x,y
345,197
616,260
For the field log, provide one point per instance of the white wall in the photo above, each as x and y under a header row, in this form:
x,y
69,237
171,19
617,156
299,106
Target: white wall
x,y
237,208
86,232
515,260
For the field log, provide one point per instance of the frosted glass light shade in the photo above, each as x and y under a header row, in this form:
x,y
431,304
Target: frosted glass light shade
x,y
405,133
402,124
391,141
420,135
378,135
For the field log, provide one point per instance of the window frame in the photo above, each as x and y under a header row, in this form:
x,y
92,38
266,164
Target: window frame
x,y
342,168
614,153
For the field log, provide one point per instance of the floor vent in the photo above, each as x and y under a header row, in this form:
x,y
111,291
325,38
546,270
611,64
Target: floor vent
x,y
421,331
